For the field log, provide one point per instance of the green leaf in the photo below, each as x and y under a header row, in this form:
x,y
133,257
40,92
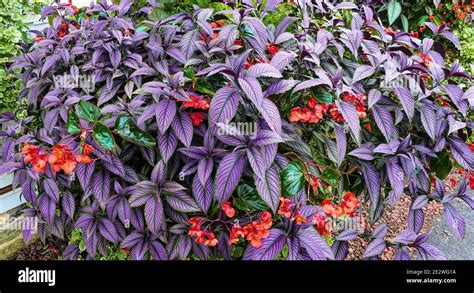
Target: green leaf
x,y
441,165
405,24
103,136
129,131
142,28
292,178
331,176
204,87
322,95
248,199
73,122
88,111
394,10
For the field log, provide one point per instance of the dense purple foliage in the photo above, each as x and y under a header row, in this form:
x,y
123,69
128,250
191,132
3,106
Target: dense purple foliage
x,y
141,192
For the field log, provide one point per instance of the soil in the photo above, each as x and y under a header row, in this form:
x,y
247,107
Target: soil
x,y
396,219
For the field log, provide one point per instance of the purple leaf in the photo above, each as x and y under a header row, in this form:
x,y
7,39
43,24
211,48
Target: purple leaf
x,y
347,235
47,208
228,175
84,173
362,72
167,143
315,246
372,182
428,120
182,202
376,247
157,251
427,249
154,213
68,203
349,113
415,220
205,167
341,144
340,249
101,185
271,114
183,128
454,220
407,101
223,105
252,89
51,188
282,59
396,178
269,188
419,202
165,113
364,153
107,229
263,69
461,152
383,119
271,246
202,193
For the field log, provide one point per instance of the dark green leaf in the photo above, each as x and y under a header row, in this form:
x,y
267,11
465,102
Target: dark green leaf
x,y
248,199
441,165
129,131
73,122
103,136
204,87
322,95
88,111
292,178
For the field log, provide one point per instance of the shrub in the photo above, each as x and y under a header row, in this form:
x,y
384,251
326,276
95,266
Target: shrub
x,y
155,159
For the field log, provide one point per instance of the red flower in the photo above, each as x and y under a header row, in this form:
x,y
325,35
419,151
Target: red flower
x,y
197,118
314,182
349,203
320,224
196,103
256,231
33,156
238,42
285,207
236,233
471,146
38,39
62,158
202,237
273,49
228,209
425,59
84,158
331,209
299,218
335,114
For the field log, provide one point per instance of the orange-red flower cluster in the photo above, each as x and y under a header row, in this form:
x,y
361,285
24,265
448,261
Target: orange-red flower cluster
x,y
312,113
285,210
197,118
228,210
254,232
285,207
202,237
196,102
32,155
425,59
319,223
358,100
273,49
347,206
61,157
